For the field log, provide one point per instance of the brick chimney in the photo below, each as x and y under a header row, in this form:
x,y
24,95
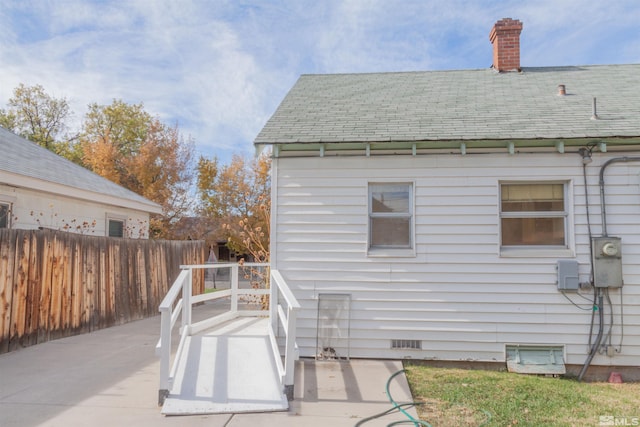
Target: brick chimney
x,y
505,37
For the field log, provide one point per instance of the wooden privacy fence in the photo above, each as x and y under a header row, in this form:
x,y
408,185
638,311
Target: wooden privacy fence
x,y
55,284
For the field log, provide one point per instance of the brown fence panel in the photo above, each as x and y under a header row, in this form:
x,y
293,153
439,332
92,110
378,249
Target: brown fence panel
x,y
54,284
32,312
45,284
20,288
7,260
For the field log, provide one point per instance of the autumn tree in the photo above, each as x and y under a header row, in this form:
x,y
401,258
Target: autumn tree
x,y
111,136
238,195
39,117
163,172
121,142
126,145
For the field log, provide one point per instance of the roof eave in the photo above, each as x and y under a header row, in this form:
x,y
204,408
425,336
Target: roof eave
x,y
463,146
35,184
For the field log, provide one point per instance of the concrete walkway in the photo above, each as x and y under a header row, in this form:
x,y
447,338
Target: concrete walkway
x,y
110,378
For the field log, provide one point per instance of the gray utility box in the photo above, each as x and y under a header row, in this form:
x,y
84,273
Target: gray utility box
x,y
568,275
607,262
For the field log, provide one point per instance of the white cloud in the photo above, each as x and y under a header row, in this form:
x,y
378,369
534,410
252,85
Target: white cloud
x,y
220,68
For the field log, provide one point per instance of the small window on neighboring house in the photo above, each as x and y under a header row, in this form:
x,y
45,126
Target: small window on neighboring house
x,y
116,227
391,216
5,215
533,214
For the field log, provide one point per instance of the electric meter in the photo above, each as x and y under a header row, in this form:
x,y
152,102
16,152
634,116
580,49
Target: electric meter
x,y
607,262
609,249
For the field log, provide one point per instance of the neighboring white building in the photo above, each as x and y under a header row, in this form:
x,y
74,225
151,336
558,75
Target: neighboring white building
x,y
443,215
39,189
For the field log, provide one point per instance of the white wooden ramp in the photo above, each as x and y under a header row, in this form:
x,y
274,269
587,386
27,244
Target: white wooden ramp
x,y
228,369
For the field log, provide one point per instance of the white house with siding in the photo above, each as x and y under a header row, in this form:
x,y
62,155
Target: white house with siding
x,y
39,189
452,215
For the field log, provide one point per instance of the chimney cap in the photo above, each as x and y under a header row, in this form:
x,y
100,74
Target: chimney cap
x,y
505,24
509,22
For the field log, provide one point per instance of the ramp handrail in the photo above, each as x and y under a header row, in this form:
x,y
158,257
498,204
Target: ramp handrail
x,y
178,303
285,315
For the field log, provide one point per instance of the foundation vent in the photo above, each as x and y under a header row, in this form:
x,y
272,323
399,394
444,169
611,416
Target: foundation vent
x,y
406,344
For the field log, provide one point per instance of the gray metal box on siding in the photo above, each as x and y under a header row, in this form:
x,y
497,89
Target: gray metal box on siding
x,y
607,262
568,275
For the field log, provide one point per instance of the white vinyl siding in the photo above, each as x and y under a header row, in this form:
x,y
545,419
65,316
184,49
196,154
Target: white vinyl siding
x,y
457,295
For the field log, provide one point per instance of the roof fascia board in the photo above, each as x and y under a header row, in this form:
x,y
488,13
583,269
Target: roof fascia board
x,y
370,148
35,184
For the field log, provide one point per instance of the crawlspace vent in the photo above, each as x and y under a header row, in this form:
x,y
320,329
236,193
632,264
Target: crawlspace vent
x,y
406,344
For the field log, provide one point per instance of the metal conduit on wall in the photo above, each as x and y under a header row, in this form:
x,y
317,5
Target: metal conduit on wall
x,y
598,296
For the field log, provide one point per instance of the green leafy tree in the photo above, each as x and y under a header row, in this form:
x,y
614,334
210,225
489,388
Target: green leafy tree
x,y
9,120
39,117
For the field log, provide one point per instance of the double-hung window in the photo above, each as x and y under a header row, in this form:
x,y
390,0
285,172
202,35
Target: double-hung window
x,y
391,216
534,215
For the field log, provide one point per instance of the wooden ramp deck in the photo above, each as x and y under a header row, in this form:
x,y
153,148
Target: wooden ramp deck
x,y
227,369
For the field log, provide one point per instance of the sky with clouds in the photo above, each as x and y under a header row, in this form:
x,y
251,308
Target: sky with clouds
x,y
220,68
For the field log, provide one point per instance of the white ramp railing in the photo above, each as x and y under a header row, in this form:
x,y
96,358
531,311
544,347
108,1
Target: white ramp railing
x,y
179,301
283,307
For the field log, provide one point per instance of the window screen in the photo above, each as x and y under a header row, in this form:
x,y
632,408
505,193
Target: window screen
x,y
4,215
116,228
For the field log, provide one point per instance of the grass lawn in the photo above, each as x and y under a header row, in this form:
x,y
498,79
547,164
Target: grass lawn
x,y
458,397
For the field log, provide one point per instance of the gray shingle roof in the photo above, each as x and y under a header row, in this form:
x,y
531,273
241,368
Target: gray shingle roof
x,y
23,157
459,105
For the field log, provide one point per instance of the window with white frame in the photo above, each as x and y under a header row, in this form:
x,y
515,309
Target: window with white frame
x,y
533,214
5,215
391,215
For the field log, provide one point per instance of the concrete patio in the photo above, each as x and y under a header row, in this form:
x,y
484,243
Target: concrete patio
x,y
110,378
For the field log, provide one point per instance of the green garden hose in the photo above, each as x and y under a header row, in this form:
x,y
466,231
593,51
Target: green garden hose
x,y
396,407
